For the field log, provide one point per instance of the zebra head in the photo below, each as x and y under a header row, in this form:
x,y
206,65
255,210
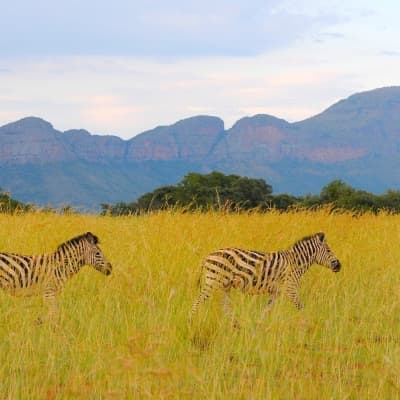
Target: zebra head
x,y
95,256
324,255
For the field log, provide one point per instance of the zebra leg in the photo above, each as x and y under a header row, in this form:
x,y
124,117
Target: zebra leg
x,y
292,286
294,298
50,299
205,294
227,307
273,296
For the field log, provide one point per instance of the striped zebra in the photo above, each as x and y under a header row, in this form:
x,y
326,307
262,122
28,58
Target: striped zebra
x,y
46,274
256,272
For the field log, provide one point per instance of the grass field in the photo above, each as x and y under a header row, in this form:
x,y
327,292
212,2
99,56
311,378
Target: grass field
x,y
126,336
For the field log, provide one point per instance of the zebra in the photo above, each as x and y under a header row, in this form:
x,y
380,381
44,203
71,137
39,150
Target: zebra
x,y
46,274
256,272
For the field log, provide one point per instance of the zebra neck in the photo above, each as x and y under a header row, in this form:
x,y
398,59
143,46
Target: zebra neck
x,y
302,260
68,263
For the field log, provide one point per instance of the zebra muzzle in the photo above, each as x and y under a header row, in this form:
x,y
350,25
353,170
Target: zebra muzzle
x,y
108,269
336,266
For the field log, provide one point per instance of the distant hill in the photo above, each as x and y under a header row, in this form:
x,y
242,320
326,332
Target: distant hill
x,y
356,140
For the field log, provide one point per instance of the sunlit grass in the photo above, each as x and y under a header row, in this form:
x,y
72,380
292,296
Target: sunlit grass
x,y
126,336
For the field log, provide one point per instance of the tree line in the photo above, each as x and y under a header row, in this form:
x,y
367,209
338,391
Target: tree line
x,y
217,191
10,205
233,193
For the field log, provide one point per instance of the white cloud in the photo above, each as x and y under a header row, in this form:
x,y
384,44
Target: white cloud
x,y
154,29
291,59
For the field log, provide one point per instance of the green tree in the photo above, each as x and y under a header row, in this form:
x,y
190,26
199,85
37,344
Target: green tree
x,y
220,190
10,205
344,196
284,201
160,198
232,192
336,192
200,191
389,201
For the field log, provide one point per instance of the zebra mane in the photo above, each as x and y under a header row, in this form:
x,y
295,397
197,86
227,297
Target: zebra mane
x,y
85,236
320,235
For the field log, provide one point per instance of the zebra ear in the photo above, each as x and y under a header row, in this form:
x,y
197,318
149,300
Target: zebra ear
x,y
92,238
321,236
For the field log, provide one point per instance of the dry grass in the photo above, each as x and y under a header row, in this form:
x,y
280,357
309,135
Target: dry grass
x,y
126,336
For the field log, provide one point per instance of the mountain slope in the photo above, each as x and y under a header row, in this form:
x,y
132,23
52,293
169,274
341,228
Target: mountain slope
x,y
357,140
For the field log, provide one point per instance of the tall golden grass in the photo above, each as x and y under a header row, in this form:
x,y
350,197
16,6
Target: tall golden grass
x,y
126,336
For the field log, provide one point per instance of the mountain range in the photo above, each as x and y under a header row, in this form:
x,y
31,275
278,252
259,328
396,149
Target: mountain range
x,y
356,139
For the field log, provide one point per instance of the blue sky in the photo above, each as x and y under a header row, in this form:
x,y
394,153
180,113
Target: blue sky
x,y
123,67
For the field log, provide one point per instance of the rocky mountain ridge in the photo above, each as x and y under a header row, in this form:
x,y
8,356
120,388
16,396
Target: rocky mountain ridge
x,y
356,139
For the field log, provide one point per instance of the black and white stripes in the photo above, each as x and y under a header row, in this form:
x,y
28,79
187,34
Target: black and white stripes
x,y
255,272
47,273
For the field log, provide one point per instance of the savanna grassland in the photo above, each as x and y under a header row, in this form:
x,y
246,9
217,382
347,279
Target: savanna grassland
x,y
126,336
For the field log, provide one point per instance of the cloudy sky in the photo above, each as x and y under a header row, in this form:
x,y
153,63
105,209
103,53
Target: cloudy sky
x,y
124,66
